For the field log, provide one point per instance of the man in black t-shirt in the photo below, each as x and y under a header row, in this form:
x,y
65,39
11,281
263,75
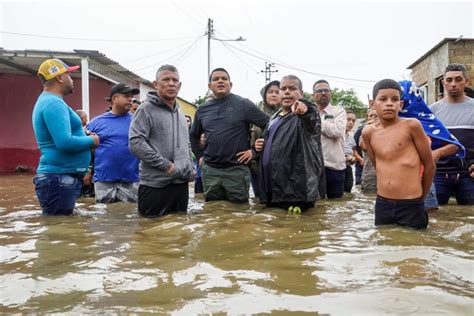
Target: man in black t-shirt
x,y
224,120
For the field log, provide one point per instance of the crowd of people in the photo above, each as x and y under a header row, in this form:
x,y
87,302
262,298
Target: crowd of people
x,y
292,151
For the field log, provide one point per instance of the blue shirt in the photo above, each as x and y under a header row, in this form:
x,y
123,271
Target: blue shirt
x,y
64,146
113,160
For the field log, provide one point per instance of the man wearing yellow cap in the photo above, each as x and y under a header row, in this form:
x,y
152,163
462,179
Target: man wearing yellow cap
x,y
65,148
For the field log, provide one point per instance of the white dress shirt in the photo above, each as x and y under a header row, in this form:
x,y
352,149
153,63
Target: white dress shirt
x,y
333,134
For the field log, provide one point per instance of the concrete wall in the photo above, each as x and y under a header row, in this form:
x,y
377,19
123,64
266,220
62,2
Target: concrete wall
x,y
432,67
462,52
187,108
426,71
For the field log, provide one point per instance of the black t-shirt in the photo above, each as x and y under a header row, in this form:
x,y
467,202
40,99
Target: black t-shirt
x,y
225,123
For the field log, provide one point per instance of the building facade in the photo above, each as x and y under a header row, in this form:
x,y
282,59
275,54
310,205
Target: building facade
x,y
427,71
20,87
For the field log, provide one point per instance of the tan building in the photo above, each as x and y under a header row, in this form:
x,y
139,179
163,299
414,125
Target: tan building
x,y
427,71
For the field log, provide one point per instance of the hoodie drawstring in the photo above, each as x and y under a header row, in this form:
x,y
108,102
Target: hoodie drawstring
x,y
177,129
172,127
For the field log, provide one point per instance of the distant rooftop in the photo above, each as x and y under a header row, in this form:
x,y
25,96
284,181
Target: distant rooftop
x,y
438,46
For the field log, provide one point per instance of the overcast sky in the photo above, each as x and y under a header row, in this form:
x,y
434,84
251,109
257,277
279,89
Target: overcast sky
x,y
367,41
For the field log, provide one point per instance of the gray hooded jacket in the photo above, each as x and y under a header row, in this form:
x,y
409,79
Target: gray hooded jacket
x,y
159,136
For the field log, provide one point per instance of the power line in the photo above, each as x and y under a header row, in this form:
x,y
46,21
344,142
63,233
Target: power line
x,y
200,11
159,52
187,52
186,13
93,39
241,60
168,58
285,65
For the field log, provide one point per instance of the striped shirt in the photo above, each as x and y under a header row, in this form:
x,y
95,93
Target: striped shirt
x,y
459,120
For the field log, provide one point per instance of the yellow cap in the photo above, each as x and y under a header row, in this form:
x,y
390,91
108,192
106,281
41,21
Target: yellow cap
x,y
52,68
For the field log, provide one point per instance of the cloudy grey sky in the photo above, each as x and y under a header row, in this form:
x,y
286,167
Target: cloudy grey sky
x,y
351,44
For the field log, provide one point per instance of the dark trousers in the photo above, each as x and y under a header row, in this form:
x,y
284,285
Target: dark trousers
x,y
255,184
153,202
348,179
198,185
459,184
334,183
409,212
358,172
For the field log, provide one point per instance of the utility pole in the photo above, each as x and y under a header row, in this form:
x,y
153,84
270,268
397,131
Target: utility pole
x,y
210,36
209,33
268,71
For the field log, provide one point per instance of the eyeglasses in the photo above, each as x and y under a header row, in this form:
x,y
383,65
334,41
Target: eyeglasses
x,y
322,91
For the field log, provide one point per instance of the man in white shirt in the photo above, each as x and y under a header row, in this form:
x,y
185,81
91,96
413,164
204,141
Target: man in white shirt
x,y
333,131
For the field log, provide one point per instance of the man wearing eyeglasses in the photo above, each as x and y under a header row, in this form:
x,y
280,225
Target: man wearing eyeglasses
x,y
333,128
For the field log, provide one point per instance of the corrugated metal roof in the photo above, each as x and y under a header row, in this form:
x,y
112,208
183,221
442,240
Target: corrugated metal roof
x,y
31,59
28,61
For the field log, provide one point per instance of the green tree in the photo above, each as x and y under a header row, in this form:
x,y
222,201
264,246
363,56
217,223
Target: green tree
x,y
200,100
348,100
308,97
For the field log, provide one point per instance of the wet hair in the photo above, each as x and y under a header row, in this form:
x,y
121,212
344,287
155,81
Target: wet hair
x,y
456,67
165,68
293,77
386,84
218,69
320,81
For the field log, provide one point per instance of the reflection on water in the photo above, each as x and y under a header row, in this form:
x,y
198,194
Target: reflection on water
x,y
237,259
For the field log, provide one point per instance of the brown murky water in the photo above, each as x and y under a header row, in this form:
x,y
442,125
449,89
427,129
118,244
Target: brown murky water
x,y
231,259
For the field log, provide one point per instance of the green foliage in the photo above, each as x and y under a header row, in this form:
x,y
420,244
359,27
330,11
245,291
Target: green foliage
x,y
200,100
348,100
308,97
345,98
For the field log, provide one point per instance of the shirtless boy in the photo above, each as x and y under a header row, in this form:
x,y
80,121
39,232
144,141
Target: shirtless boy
x,y
398,148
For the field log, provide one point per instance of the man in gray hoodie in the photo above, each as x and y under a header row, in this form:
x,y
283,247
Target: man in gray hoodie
x,y
159,138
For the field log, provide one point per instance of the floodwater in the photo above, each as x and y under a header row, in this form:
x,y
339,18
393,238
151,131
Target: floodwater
x,y
224,258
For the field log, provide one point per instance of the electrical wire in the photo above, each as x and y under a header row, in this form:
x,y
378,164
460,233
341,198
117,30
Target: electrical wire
x,y
186,13
93,39
187,52
159,52
240,59
168,58
288,66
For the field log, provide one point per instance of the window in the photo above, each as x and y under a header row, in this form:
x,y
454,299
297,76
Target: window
x,y
439,88
424,92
